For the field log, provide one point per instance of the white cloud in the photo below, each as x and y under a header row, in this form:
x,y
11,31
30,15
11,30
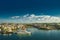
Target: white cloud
x,y
44,18
33,19
32,15
26,15
39,19
15,17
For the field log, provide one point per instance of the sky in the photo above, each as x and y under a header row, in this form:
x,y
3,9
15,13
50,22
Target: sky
x,y
9,8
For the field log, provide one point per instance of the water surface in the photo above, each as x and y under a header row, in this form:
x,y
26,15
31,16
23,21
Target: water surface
x,y
36,35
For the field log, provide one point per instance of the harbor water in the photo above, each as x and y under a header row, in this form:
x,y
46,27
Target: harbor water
x,y
36,35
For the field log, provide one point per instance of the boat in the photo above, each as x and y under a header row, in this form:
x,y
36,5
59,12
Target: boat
x,y
24,33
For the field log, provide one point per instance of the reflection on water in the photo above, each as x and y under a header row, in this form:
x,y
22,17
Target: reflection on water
x,y
36,35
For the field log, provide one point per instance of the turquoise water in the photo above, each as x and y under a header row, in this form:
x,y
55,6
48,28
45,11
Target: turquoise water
x,y
36,35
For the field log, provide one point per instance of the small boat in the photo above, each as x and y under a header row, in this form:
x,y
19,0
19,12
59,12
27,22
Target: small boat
x,y
22,33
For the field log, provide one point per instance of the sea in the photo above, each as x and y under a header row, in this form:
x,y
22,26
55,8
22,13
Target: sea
x,y
36,34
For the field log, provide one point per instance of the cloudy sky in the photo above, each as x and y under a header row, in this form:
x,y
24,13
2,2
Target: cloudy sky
x,y
14,10
31,18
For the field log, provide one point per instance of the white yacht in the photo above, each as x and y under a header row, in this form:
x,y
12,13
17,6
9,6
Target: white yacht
x,y
23,31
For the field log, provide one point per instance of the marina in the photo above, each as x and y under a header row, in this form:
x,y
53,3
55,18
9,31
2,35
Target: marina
x,y
16,29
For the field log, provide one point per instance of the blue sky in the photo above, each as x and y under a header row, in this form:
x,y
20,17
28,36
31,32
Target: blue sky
x,y
21,7
9,8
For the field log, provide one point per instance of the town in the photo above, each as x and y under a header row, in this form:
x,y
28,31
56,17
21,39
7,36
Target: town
x,y
14,27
